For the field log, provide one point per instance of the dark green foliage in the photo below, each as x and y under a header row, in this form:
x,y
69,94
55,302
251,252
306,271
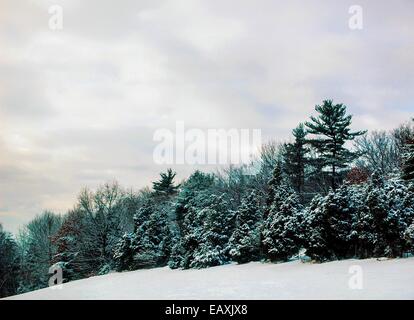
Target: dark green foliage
x,y
281,227
124,252
331,130
361,221
165,186
192,193
177,254
388,210
295,159
151,242
329,224
214,225
273,184
244,244
194,196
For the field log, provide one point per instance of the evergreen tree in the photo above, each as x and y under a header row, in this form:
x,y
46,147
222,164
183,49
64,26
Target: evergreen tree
x,y
151,242
154,239
244,244
208,255
127,247
193,191
177,254
274,183
329,224
125,251
376,209
316,245
165,186
281,228
276,192
340,209
332,131
194,195
388,209
295,159
211,234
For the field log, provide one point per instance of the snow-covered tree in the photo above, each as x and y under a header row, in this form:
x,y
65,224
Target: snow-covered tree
x,y
281,230
177,254
208,255
125,251
154,239
376,210
331,130
194,196
281,223
211,235
244,244
151,242
329,224
193,192
386,214
273,186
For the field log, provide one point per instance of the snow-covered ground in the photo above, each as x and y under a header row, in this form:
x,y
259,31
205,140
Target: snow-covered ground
x,y
387,279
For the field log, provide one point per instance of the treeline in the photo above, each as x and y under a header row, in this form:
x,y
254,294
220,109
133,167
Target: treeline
x,y
320,196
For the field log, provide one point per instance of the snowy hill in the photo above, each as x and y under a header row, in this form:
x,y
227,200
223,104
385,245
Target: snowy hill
x,y
387,279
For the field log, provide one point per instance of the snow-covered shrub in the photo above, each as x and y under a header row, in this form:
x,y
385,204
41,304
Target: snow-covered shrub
x,y
244,244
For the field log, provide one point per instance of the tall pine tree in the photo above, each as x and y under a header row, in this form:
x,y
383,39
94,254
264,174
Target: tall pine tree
x,y
295,158
165,186
331,130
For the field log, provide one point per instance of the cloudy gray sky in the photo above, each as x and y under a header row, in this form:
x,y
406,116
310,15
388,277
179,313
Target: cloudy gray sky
x,y
79,106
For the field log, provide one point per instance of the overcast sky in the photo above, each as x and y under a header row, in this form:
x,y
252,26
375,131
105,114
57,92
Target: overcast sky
x,y
79,106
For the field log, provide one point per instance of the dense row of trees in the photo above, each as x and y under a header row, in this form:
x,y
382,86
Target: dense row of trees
x,y
320,195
